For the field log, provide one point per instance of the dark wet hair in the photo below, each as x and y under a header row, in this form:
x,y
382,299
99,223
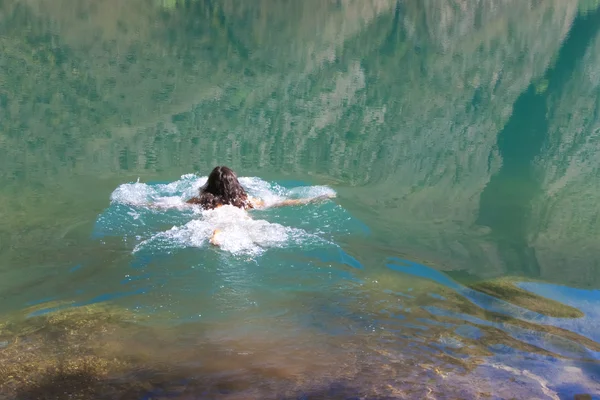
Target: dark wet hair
x,y
222,188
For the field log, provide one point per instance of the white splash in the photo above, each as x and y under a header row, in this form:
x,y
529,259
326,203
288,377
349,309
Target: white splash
x,y
169,195
237,232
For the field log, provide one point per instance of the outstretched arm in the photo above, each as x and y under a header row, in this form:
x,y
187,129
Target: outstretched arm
x,y
159,206
293,202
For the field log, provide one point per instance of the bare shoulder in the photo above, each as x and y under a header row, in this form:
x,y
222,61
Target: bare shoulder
x,y
256,203
193,200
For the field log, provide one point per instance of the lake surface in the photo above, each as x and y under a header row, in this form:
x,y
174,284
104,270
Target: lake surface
x,y
460,257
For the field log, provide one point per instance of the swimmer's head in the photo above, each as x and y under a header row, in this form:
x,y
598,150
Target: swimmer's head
x,y
223,188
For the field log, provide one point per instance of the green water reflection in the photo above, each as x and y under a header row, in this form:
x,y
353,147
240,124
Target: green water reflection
x,y
466,135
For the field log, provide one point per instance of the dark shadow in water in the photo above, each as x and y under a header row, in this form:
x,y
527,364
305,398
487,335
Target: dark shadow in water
x,y
506,201
154,384
66,385
81,385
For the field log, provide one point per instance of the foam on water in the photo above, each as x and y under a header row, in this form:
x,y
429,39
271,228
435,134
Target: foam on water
x,y
169,195
174,194
238,232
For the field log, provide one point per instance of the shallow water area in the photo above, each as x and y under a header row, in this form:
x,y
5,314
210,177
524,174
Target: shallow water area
x,y
458,258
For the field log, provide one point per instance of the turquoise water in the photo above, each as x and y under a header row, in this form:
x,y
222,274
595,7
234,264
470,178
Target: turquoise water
x,y
459,258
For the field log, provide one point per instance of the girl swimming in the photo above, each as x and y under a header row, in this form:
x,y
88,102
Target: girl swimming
x,y
223,188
